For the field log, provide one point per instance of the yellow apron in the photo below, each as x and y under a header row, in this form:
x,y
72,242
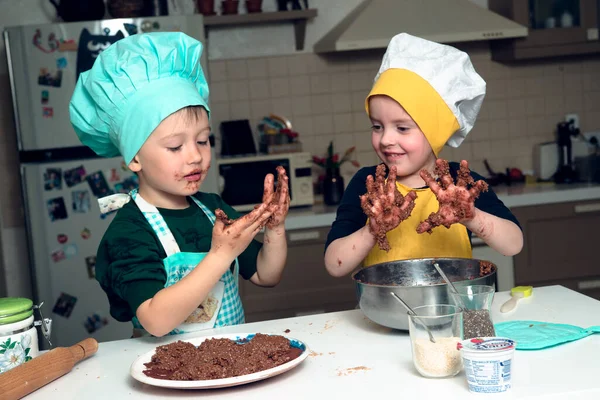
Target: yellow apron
x,y
406,243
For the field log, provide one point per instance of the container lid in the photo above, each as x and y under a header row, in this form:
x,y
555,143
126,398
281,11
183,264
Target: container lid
x,y
487,344
15,309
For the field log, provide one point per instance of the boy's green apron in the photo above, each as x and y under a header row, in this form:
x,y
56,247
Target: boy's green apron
x,y
178,264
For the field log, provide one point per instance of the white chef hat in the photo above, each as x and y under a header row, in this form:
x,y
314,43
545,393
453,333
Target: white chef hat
x,y
436,84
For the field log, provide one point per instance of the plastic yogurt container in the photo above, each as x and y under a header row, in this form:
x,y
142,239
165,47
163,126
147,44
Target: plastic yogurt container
x,y
488,363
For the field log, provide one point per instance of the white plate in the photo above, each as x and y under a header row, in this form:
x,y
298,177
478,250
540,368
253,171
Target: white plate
x,y
138,367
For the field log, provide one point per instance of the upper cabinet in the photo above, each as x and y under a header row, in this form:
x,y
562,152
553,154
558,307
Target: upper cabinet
x,y
556,28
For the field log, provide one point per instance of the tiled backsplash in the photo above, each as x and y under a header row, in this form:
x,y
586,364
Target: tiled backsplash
x,y
324,99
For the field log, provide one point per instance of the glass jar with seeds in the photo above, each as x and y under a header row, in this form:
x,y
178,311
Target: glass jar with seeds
x,y
439,358
476,302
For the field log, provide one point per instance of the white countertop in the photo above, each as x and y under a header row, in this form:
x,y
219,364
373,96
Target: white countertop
x,y
512,196
345,340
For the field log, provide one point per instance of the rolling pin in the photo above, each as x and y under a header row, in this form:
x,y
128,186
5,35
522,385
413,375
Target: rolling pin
x,y
32,375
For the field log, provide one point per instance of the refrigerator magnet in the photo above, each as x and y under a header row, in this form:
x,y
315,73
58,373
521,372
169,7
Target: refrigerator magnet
x,y
98,184
62,238
90,263
58,255
70,250
56,209
81,201
86,234
45,97
131,29
113,175
47,112
51,45
61,63
48,78
74,176
64,305
91,45
95,322
127,185
67,45
53,179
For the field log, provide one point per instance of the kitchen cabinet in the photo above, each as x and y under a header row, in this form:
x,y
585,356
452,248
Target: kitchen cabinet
x,y
505,278
556,28
298,17
560,246
305,287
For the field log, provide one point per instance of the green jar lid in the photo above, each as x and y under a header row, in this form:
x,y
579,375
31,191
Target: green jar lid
x,y
15,309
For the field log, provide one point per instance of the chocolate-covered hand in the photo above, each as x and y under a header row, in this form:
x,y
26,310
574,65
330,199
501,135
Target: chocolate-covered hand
x,y
280,199
231,237
457,201
385,206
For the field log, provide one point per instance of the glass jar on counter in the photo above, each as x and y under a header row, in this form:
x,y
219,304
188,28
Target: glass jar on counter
x,y
476,302
18,331
441,358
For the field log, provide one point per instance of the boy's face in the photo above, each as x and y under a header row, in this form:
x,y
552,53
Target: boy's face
x,y
174,159
398,140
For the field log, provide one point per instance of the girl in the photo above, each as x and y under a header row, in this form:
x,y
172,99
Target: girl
x,y
425,95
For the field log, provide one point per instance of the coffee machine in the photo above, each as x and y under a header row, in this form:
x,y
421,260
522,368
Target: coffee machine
x,y
565,172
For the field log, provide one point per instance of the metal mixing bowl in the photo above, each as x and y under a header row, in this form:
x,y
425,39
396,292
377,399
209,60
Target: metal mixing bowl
x,y
416,282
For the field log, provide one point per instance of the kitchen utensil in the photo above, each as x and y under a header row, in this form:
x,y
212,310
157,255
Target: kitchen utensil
x,y
138,367
494,178
26,378
412,313
414,280
565,172
536,335
516,294
448,281
442,358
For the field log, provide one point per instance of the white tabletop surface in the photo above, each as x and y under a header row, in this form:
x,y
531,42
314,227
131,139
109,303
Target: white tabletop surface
x,y
353,358
518,195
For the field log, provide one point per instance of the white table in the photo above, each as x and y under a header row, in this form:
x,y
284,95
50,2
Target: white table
x,y
345,340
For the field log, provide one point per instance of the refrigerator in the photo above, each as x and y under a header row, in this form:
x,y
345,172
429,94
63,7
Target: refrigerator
x,y
61,180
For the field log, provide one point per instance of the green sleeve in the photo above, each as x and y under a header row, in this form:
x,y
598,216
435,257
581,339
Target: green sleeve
x,y
129,266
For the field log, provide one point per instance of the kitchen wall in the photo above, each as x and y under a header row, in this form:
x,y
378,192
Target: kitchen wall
x,y
324,99
255,71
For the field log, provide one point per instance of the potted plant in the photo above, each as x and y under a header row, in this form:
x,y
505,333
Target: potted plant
x,y
230,6
254,6
333,183
206,7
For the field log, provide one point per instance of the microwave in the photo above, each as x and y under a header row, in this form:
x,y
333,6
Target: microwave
x,y
241,179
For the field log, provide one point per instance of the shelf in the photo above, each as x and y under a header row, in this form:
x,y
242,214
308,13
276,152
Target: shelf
x,y
298,17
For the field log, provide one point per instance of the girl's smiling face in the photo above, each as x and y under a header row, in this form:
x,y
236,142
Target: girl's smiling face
x,y
173,162
398,140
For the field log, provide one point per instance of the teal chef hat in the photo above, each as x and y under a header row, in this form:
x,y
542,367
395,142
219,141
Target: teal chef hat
x,y
135,84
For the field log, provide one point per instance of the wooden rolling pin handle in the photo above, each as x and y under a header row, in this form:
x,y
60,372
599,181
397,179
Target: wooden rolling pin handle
x,y
32,375
84,349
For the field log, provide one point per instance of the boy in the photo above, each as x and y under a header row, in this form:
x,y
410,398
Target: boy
x,y
165,258
425,95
